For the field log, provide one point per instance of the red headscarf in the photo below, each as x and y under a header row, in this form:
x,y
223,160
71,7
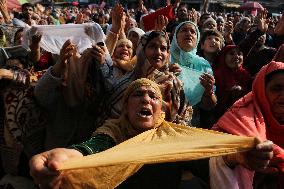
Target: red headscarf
x,y
226,78
251,116
275,131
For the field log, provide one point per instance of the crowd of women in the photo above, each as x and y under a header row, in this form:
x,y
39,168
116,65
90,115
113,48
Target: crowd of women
x,y
63,97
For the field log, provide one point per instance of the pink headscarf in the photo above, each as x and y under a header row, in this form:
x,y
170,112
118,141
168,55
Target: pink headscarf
x,y
251,116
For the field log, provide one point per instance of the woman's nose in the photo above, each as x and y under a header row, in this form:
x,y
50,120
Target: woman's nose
x,y
158,51
146,98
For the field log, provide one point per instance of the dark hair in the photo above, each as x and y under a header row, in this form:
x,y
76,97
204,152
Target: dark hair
x,y
204,15
207,33
183,5
171,26
25,5
145,39
269,76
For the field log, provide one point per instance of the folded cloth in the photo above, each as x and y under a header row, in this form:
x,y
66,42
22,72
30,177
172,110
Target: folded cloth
x,y
54,36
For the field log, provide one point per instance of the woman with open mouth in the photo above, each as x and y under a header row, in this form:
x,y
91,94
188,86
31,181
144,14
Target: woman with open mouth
x,y
105,100
142,114
122,58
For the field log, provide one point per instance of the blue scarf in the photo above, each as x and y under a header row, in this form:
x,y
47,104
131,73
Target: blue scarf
x,y
192,65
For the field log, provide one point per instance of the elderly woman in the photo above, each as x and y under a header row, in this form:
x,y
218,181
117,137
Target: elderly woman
x,y
260,113
209,24
142,112
196,71
122,58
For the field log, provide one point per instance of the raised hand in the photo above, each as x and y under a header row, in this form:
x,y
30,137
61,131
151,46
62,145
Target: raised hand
x,y
67,51
117,18
161,22
193,16
142,8
36,35
97,53
263,21
80,18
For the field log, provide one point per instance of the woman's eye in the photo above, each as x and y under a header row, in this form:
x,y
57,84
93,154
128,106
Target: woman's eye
x,y
163,49
192,32
154,97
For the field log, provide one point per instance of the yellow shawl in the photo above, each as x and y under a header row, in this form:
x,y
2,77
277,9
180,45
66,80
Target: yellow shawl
x,y
166,142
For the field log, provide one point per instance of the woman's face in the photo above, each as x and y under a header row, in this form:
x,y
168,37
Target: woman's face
x,y
156,52
134,38
234,58
144,107
123,52
209,26
187,37
275,94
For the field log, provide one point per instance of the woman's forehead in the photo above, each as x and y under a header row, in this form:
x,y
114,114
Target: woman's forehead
x,y
236,49
145,88
159,39
188,26
125,44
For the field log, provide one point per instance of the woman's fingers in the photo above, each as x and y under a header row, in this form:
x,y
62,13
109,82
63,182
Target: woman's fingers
x,y
259,158
68,42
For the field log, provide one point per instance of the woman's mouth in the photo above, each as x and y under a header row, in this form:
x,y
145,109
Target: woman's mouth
x,y
145,113
188,39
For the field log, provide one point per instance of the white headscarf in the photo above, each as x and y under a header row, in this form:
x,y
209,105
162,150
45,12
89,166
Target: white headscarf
x,y
139,31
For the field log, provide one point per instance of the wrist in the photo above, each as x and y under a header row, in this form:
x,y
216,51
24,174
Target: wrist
x,y
115,30
6,74
208,93
34,45
56,70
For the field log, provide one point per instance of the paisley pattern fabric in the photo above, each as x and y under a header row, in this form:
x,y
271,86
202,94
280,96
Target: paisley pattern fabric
x,y
22,127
